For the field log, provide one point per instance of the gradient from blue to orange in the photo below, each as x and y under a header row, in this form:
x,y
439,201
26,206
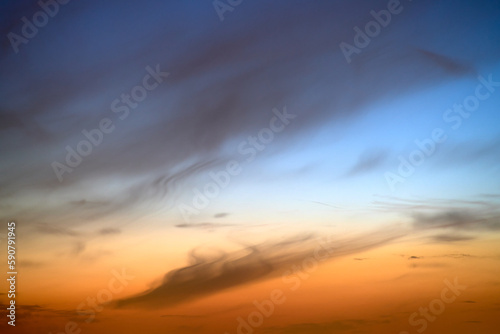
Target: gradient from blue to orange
x,y
131,203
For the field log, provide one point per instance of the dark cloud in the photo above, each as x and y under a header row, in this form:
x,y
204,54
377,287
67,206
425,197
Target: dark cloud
x,y
28,311
457,256
495,196
457,219
221,215
460,217
83,203
208,226
451,238
209,276
447,63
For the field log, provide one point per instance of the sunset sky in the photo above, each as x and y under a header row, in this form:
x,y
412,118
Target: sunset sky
x,y
238,166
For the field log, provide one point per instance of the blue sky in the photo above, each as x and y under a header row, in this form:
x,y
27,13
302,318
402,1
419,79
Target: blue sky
x,y
352,121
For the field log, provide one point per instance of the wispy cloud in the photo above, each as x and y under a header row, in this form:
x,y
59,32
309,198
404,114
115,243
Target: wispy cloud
x,y
258,262
368,161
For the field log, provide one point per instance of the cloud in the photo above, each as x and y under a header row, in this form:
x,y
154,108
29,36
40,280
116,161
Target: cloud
x,y
476,215
327,204
207,276
209,226
429,265
55,230
78,248
109,231
32,310
486,152
31,264
451,238
457,256
457,219
447,63
367,162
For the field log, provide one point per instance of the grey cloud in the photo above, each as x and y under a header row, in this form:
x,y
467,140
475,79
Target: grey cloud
x,y
458,216
468,153
457,219
31,264
258,262
447,63
452,238
202,225
457,256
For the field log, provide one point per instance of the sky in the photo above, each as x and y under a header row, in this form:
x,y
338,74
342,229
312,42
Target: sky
x,y
237,166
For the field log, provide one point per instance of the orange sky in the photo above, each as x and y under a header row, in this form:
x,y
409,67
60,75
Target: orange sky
x,y
375,291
